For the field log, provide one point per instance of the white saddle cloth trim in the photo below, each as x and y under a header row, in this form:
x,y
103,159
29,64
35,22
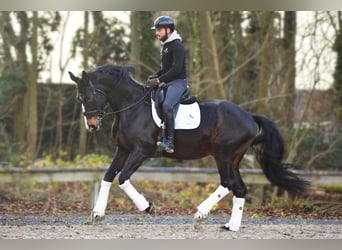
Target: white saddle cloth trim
x,y
188,116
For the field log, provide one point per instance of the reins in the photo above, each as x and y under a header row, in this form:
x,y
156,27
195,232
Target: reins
x,y
132,105
127,107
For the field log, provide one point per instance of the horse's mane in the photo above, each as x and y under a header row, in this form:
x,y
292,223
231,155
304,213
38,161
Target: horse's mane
x,y
111,72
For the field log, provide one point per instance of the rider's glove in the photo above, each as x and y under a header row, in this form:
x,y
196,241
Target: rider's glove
x,y
153,82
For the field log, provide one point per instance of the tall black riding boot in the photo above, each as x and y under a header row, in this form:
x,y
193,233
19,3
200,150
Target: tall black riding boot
x,y
167,143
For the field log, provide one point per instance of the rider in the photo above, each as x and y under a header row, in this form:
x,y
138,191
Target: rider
x,y
172,73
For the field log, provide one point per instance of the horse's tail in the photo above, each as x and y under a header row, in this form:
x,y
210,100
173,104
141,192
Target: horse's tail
x,y
269,149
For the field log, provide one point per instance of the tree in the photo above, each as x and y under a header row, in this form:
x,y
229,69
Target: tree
x,y
266,20
239,56
135,55
210,57
106,42
85,54
188,27
32,92
289,65
22,32
15,71
144,56
338,69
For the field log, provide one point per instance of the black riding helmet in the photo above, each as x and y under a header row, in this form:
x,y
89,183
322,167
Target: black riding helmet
x,y
164,22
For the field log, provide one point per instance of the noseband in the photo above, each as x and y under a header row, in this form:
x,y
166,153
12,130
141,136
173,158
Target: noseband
x,y
98,111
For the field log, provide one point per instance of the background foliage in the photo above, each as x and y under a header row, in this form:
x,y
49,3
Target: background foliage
x,y
247,57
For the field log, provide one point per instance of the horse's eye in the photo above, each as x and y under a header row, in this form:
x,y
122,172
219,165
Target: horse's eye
x,y
88,99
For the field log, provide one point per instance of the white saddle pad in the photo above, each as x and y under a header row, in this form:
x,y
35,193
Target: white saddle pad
x,y
188,116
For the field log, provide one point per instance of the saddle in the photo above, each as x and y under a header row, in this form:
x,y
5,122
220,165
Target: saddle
x,y
158,97
187,113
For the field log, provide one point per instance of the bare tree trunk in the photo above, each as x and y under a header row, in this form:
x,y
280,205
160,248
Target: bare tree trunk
x,y
338,71
239,45
44,118
194,64
62,67
135,42
289,65
265,74
59,124
210,57
10,42
32,92
83,131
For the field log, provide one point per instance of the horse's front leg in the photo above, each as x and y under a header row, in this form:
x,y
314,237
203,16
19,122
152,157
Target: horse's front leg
x,y
133,162
115,167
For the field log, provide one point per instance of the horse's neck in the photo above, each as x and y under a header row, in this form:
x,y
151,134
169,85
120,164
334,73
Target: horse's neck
x,y
138,113
128,99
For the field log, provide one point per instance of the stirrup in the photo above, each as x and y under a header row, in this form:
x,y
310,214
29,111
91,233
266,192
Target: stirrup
x,y
169,150
166,145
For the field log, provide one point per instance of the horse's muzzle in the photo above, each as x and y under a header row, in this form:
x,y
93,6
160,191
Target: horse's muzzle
x,y
94,123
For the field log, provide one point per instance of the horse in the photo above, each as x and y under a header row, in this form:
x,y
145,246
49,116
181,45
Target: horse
x,y
225,132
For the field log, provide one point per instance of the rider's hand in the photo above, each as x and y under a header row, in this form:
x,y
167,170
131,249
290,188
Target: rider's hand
x,y
153,82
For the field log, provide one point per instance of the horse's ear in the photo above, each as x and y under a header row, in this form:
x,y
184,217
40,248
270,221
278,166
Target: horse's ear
x,y
74,78
85,76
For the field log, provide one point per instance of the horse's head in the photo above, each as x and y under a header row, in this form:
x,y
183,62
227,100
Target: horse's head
x,y
92,98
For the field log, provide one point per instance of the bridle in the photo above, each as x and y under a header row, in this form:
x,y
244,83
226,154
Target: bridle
x,y
99,113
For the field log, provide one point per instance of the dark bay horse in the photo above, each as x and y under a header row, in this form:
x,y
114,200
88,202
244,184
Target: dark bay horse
x,y
226,132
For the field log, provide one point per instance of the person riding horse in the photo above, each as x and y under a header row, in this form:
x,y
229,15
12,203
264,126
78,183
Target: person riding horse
x,y
172,73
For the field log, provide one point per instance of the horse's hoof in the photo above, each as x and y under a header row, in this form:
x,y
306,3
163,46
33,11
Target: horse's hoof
x,y
198,219
152,210
228,228
198,216
225,228
97,217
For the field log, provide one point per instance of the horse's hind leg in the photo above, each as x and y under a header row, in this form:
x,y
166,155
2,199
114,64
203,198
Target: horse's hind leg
x,y
204,208
230,180
239,190
224,167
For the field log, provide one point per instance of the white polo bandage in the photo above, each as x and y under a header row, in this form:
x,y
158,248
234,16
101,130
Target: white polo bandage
x,y
235,220
214,198
102,199
133,194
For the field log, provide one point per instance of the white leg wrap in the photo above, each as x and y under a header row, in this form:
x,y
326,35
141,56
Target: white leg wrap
x,y
235,220
133,194
102,199
215,197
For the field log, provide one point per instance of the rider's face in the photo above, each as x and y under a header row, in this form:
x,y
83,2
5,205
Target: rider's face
x,y
162,33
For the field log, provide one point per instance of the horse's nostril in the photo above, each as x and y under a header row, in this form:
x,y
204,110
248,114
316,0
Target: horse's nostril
x,y
92,128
